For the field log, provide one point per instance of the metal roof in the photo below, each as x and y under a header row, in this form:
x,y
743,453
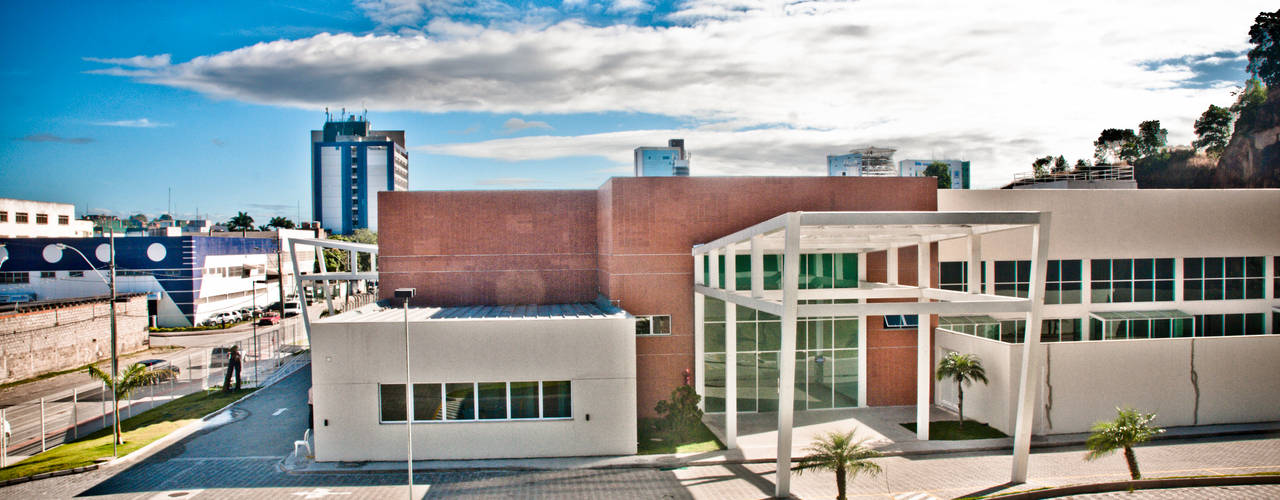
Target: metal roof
x,y
383,312
1140,315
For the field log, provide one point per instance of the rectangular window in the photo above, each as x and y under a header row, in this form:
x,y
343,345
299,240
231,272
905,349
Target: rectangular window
x,y
42,218
1131,280
653,325
953,276
20,217
493,400
4,216
1223,278
15,277
460,401
64,220
524,400
48,274
427,402
76,274
1063,282
1013,278
391,403
1060,330
1218,325
556,400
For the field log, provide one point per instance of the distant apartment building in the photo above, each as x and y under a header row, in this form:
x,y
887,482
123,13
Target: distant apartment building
x,y
863,162
959,170
669,161
39,219
350,164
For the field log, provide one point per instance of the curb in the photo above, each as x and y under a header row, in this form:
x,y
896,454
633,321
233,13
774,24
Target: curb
x,y
1140,484
46,475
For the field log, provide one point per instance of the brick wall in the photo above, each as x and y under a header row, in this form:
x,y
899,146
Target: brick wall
x,y
38,342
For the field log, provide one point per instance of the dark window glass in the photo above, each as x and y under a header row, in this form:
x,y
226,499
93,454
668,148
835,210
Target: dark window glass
x,y
770,335
742,265
642,325
1143,269
746,336
1052,271
1254,288
1006,271
1101,269
1101,291
427,404
1160,329
524,400
1122,291
1253,324
1164,269
1071,270
1234,267
391,404
1121,269
493,400
1143,291
556,401
1213,267
1071,293
460,401
1213,289
713,337
1233,324
1024,271
1140,329
1192,268
1191,289
714,310
1234,289
1212,325
1164,290
1253,266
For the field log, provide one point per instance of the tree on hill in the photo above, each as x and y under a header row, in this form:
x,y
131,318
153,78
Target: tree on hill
x,y
1249,102
241,222
1059,165
1082,163
139,219
1264,57
1040,167
1213,130
941,171
1151,137
281,223
1117,144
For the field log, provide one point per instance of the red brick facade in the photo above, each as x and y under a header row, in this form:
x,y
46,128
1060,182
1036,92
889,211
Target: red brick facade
x,y
630,240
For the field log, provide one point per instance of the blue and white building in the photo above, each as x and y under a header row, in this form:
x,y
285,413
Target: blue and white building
x,y
959,170
863,162
350,164
669,161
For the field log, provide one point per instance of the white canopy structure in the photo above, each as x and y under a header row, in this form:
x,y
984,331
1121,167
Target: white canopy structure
x,y
793,234
352,249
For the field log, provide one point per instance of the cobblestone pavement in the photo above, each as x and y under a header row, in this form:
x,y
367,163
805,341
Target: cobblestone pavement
x,y
1211,493
240,459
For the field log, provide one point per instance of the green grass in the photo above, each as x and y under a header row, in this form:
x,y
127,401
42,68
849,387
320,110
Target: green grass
x,y
653,441
950,430
136,432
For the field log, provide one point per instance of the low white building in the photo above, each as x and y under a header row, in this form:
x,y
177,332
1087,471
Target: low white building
x,y
488,382
40,219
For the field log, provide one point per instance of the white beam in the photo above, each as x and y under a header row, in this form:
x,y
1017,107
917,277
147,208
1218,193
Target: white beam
x,y
343,245
765,227
924,346
975,263
699,353
338,276
713,261
698,269
757,266
1029,379
862,361
944,308
787,357
771,307
911,218
730,352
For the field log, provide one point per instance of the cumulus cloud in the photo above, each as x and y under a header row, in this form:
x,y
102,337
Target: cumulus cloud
x,y
508,182
54,138
808,78
159,61
139,123
516,125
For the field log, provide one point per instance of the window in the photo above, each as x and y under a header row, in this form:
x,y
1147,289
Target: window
x,y
1131,280
524,400
493,400
75,274
20,217
1275,281
1223,278
391,403
555,400
1060,330
64,220
428,402
469,402
4,216
48,275
816,271
15,277
1013,278
1219,325
901,321
1063,282
42,218
653,325
953,276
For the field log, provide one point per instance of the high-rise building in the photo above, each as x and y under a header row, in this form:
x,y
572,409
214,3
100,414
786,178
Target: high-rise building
x,y
350,164
864,162
670,161
959,170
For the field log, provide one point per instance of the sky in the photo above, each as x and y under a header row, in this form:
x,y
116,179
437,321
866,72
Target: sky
x,y
205,107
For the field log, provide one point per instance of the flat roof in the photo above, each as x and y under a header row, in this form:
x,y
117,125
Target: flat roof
x,y
387,312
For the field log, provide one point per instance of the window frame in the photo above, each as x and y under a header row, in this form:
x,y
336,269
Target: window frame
x,y
21,218
654,322
42,219
475,391
1134,285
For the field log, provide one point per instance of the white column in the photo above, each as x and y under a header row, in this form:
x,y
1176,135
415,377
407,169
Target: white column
x,y
730,352
862,361
1029,384
757,266
699,353
713,260
1086,296
924,347
787,358
862,267
975,263
892,266
697,269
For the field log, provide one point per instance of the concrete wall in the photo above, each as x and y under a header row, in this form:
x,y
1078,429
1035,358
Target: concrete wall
x,y
11,228
61,338
597,356
1086,381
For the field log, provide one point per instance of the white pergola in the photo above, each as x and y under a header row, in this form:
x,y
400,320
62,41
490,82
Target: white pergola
x,y
793,234
352,249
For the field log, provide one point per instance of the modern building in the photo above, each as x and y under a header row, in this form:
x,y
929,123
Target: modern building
x,y
959,170
670,161
350,164
40,219
865,162
189,278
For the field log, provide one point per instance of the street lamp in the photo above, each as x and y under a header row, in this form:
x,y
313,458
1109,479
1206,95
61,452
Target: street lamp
x,y
252,314
406,294
111,284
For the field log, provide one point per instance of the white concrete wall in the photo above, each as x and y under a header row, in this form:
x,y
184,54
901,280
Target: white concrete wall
x,y
10,228
1086,381
331,192
597,356
375,181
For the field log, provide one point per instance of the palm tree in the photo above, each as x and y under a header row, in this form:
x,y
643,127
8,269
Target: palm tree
x,y
281,223
839,453
964,369
133,377
1128,429
241,222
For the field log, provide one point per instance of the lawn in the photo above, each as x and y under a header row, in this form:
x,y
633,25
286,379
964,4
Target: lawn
x,y
137,432
654,441
950,430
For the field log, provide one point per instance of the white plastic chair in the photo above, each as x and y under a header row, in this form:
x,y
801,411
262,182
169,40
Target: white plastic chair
x,y
305,443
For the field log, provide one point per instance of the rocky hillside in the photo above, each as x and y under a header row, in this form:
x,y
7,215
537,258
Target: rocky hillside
x,y
1251,160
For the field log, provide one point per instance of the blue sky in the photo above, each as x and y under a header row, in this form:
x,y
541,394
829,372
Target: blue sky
x,y
111,104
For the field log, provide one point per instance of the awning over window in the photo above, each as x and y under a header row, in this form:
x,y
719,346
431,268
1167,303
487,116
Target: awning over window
x,y
1140,315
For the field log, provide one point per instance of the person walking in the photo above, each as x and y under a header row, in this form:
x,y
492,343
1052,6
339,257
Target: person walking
x,y
233,365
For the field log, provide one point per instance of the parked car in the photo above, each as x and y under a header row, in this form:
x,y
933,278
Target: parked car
x,y
161,369
292,308
218,356
270,318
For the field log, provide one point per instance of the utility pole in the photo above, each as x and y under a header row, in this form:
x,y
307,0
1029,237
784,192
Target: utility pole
x,y
115,403
280,274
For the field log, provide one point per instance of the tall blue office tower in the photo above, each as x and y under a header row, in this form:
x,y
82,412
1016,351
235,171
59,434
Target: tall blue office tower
x,y
349,165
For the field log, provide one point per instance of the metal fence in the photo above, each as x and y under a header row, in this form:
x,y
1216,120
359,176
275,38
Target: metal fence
x,y
44,423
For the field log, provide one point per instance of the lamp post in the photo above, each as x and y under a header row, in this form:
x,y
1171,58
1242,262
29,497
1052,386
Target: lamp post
x,y
254,319
111,284
406,294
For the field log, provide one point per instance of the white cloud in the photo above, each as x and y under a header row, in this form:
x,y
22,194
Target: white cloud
x,y
628,6
159,61
936,77
516,125
139,123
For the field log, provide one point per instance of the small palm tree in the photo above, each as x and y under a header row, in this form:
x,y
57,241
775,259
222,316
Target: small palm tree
x,y
132,378
838,452
964,369
1128,429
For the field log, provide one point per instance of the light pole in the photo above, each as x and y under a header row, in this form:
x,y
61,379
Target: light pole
x,y
111,284
254,319
406,294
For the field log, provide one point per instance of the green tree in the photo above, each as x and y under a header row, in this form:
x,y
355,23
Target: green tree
x,y
129,380
964,369
1213,130
1127,430
838,452
281,223
336,259
681,415
1040,167
1081,163
1264,57
1117,144
940,170
1249,101
1151,137
241,222
1059,165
